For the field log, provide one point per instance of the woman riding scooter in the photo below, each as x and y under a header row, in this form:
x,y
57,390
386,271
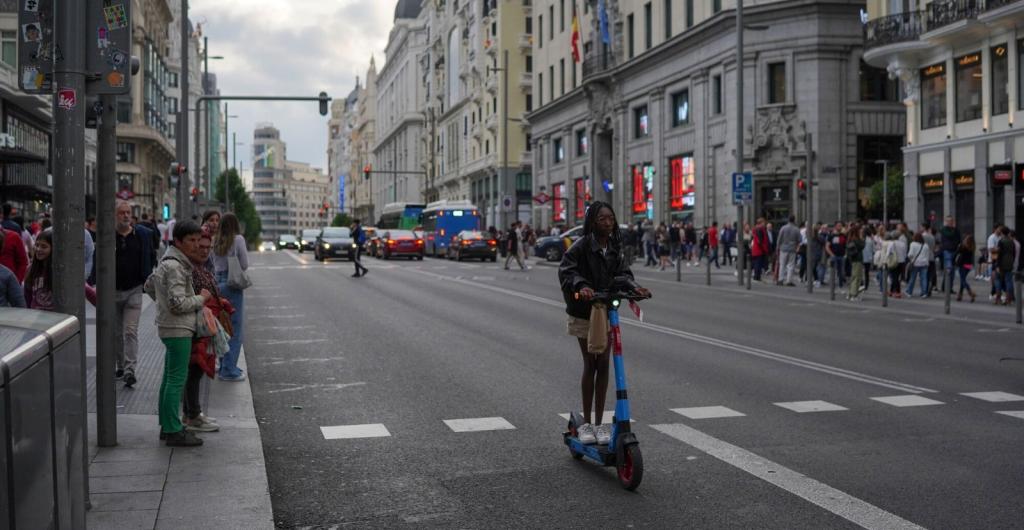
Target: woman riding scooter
x,y
592,264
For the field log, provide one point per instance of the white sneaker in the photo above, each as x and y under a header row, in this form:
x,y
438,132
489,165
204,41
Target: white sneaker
x,y
586,435
604,434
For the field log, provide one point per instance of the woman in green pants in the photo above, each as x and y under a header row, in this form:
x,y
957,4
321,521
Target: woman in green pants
x,y
170,286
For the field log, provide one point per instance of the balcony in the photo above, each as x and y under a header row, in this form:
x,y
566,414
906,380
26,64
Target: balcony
x,y
491,84
597,65
902,27
525,42
492,122
526,82
945,12
526,159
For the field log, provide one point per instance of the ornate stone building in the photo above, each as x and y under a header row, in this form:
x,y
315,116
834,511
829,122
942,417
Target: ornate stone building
x,y
647,120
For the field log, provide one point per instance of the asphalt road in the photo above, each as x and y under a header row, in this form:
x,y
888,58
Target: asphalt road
x,y
727,388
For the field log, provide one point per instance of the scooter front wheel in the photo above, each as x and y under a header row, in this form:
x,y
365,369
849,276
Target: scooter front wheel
x,y
630,467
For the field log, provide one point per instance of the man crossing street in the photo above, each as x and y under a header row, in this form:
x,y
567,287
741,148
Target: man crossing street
x,y
134,259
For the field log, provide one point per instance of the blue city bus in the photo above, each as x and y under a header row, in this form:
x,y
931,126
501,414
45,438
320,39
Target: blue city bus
x,y
401,215
443,220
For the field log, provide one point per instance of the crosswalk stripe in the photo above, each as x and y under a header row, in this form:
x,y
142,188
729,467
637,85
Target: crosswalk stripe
x,y
479,424
1012,413
810,406
993,397
907,401
705,413
370,430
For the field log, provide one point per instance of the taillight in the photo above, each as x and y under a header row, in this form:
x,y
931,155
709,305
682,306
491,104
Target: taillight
x,y
419,242
466,242
493,243
391,242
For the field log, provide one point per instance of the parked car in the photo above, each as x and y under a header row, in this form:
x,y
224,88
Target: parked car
x,y
334,242
287,241
473,244
401,243
552,248
307,240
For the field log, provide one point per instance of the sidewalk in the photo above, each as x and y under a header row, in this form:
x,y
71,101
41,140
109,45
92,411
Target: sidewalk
x,y
143,484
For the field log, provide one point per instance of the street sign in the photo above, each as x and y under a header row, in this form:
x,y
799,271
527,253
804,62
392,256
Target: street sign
x,y
506,203
541,198
37,46
742,188
108,46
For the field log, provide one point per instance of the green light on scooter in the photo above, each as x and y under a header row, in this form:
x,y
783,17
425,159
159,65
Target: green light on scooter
x,y
615,303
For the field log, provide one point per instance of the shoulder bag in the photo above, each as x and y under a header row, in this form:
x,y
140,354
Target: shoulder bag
x,y
206,323
237,277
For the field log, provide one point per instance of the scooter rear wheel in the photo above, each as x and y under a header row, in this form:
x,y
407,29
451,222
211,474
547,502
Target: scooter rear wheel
x,y
630,467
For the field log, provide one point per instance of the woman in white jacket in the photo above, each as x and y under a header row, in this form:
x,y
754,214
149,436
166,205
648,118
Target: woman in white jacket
x,y
918,257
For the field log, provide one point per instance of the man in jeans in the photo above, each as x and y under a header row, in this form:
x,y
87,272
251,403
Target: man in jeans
x,y
949,241
789,242
134,258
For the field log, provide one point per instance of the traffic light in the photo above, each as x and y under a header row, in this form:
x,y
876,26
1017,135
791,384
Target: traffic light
x,y
323,103
367,169
195,194
801,186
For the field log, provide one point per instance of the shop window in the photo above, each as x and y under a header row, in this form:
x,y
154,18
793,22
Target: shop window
x,y
875,84
932,188
558,200
582,143
629,35
558,151
716,94
682,183
582,197
643,191
1000,80
933,96
968,87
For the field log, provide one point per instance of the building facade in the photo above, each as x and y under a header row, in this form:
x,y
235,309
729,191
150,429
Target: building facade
x,y
270,180
364,138
962,64
174,64
476,92
310,199
399,150
144,148
647,120
339,146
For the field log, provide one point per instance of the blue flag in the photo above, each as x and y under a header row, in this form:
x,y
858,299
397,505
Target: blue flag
x,y
602,14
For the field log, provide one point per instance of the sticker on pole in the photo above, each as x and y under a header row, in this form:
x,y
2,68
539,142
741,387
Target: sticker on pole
x,y
67,99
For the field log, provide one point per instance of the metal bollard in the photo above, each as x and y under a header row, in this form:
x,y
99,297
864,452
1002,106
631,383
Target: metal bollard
x,y
679,268
948,281
1020,280
832,280
885,285
707,279
750,272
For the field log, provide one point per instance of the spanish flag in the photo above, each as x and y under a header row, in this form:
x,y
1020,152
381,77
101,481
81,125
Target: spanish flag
x,y
575,34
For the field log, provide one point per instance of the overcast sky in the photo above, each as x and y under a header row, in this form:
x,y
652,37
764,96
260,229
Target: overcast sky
x,y
291,48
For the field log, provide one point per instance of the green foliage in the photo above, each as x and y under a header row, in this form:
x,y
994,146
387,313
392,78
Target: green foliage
x,y
241,205
341,219
895,199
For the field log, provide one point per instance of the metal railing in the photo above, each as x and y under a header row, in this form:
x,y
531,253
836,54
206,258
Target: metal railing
x,y
996,4
945,12
892,29
597,64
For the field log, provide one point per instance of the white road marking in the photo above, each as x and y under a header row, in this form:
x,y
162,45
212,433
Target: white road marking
x,y
757,352
286,327
606,417
479,424
262,296
1013,413
318,360
810,406
907,401
283,316
993,330
278,307
994,397
835,501
290,341
317,386
705,413
371,430
302,261
918,319
483,278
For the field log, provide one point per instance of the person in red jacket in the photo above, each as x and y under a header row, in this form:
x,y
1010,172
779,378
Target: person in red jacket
x,y
13,255
760,248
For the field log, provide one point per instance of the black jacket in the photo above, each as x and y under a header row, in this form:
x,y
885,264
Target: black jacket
x,y
584,266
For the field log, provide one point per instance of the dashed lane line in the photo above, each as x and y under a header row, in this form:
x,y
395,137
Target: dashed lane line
x,y
707,413
370,430
749,350
994,397
907,401
818,493
810,406
479,424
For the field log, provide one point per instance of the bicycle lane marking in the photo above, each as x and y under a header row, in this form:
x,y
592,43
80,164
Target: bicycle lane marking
x,y
820,494
740,348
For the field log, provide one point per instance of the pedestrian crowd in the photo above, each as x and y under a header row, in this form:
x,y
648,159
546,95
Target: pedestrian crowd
x,y
194,271
850,253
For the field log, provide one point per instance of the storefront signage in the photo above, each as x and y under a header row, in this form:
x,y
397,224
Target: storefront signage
x,y
932,184
1002,177
7,141
934,70
968,60
964,180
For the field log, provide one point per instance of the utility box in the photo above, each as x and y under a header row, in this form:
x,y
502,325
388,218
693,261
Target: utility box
x,y
42,421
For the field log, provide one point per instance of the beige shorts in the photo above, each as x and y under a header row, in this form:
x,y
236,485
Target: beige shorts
x,y
578,327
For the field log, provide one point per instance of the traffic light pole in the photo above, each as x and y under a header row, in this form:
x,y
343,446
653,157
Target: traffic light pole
x,y
106,330
181,145
741,263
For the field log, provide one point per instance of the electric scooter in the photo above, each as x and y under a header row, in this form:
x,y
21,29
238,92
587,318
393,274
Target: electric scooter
x,y
623,449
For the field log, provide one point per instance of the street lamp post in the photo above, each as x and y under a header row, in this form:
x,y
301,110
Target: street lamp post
x,y
227,189
504,138
206,110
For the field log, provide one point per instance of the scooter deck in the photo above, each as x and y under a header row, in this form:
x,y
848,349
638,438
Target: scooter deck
x,y
600,453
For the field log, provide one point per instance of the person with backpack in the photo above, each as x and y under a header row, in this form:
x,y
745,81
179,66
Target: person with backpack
x,y
359,237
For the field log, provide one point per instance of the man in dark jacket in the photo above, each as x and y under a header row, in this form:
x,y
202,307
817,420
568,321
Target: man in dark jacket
x,y
949,240
134,264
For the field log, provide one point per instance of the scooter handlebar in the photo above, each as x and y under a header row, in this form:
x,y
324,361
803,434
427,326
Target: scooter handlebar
x,y
609,296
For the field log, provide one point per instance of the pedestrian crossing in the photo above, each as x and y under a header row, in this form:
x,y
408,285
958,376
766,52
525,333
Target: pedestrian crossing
x,y
699,413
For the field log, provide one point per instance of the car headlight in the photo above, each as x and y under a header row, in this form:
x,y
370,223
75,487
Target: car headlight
x,y
327,245
354,245
304,242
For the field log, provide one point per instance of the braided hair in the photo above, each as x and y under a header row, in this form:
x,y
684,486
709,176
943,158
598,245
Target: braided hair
x,y
590,223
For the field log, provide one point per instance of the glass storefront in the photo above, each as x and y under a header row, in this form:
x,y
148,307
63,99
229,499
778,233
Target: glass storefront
x,y
643,191
931,195
682,186
559,202
963,188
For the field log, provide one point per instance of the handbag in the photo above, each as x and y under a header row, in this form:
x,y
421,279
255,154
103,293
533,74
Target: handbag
x,y
224,319
206,323
237,278
220,342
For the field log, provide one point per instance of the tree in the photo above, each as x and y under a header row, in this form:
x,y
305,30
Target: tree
x,y
241,205
341,219
895,199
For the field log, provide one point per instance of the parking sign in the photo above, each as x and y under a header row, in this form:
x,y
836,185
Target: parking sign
x,y
742,188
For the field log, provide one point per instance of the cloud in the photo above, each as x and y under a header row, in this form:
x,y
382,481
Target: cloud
x,y
293,48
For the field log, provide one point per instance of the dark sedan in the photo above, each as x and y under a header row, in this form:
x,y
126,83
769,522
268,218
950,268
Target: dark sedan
x,y
472,244
334,242
287,241
551,248
400,243
307,241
